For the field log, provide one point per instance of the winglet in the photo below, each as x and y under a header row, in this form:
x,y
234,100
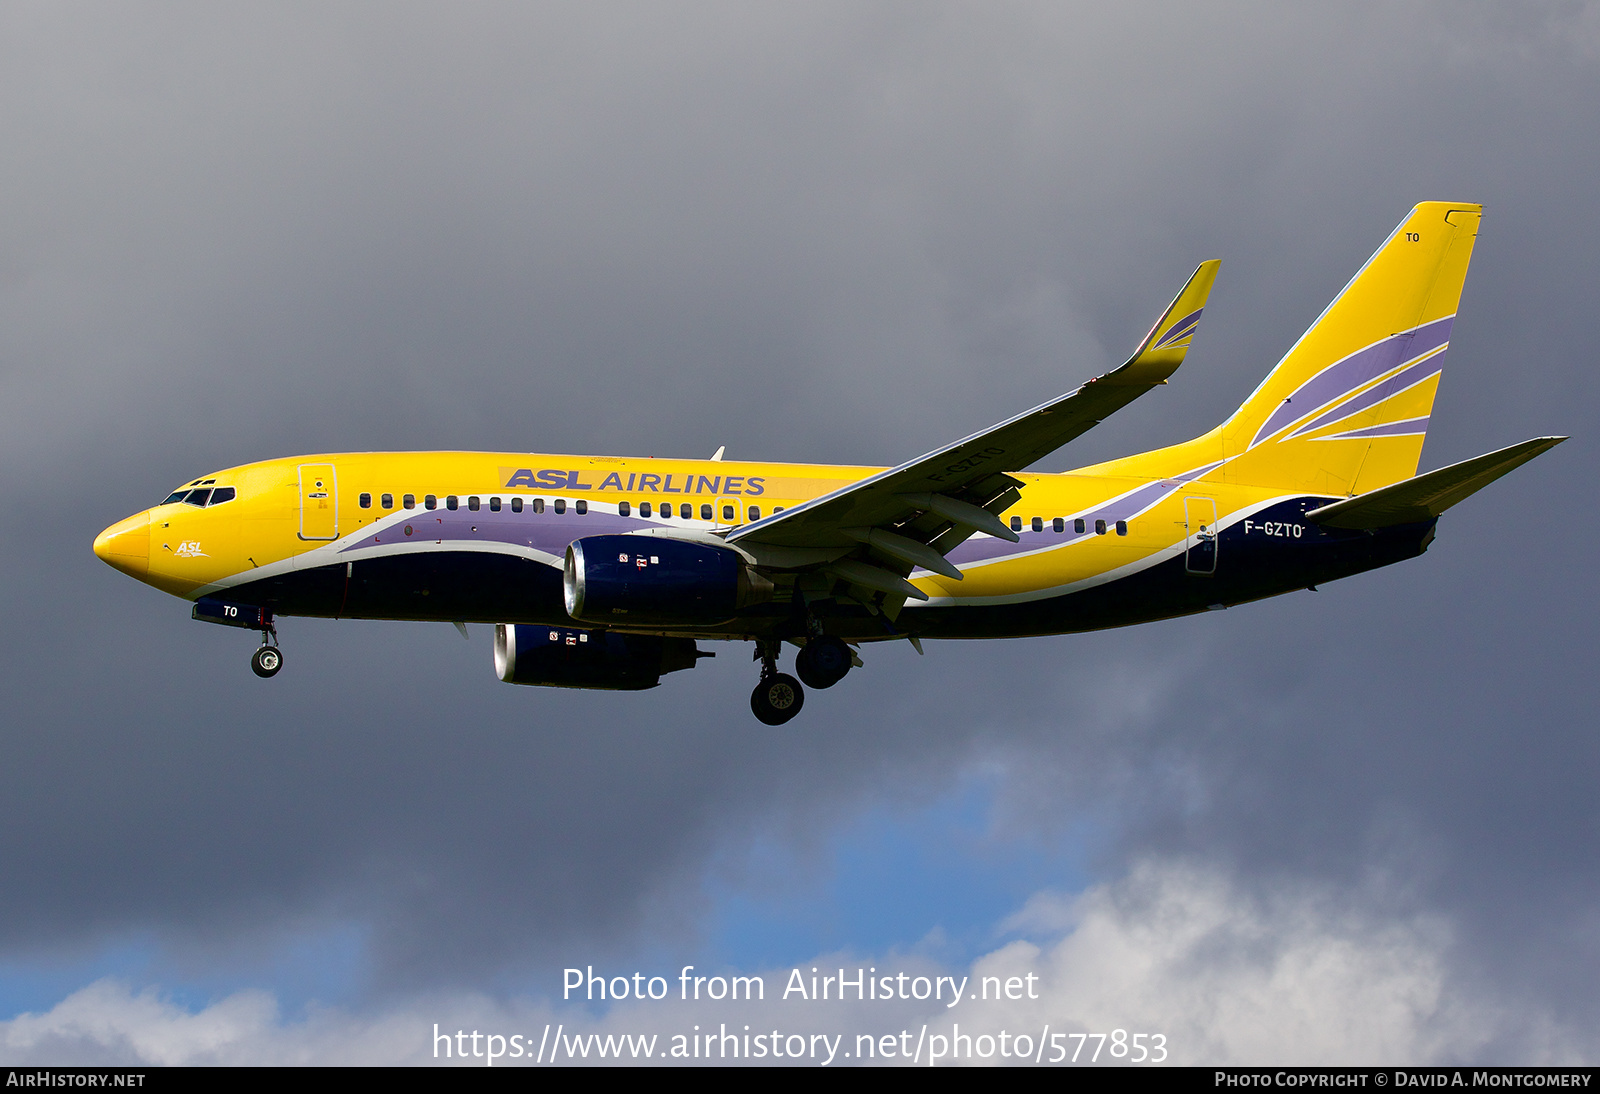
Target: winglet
x,y
1163,349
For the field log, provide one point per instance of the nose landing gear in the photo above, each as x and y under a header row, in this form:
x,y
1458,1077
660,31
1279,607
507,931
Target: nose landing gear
x,y
267,659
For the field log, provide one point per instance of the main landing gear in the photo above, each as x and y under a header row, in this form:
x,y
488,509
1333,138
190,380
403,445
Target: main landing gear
x,y
268,659
779,696
821,663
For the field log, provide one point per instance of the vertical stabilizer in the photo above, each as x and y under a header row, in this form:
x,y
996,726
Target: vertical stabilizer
x,y
1346,410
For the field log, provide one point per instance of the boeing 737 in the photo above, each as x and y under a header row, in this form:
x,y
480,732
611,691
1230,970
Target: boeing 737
x,y
605,572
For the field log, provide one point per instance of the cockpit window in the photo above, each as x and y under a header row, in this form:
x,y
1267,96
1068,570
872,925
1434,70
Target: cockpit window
x,y
200,498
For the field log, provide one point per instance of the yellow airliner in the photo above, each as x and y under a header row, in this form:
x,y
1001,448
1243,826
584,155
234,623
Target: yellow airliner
x,y
602,572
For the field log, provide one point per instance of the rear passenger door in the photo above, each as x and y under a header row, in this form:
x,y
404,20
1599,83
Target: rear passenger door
x,y
1200,544
319,502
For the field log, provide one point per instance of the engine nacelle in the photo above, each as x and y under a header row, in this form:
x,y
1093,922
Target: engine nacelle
x,y
561,657
654,581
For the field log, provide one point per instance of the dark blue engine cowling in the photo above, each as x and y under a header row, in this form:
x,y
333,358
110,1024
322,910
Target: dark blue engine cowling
x,y
562,657
650,580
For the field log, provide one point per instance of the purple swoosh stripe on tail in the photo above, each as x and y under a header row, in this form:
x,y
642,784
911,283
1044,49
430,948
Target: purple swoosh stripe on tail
x,y
1388,429
1406,378
1361,367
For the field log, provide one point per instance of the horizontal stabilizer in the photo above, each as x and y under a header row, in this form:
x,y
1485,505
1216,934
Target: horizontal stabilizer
x,y
1428,495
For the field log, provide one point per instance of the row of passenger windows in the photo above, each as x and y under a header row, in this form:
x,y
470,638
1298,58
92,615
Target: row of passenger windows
x,y
730,512
1080,526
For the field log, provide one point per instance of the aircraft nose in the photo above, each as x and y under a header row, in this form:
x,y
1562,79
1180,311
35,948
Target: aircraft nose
x,y
126,545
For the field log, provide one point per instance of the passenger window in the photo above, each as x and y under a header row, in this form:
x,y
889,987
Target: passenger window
x,y
221,494
409,501
538,505
1058,525
516,505
197,497
473,503
1099,527
1016,524
644,509
388,501
429,501
686,511
561,505
494,505
581,506
727,512
755,512
1038,524
624,509
1077,526
1122,527
365,501
451,502
705,511
776,509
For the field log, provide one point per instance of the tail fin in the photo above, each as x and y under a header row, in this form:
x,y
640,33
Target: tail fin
x,y
1346,410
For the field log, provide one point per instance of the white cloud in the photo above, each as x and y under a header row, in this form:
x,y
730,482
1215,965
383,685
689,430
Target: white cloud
x,y
1294,977
1233,979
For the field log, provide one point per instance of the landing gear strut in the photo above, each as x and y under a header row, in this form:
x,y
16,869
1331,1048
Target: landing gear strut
x,y
268,659
779,696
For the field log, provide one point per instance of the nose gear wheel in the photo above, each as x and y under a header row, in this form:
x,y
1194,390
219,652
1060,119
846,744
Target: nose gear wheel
x,y
266,661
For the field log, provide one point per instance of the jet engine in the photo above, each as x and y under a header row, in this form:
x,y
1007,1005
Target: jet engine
x,y
560,657
654,581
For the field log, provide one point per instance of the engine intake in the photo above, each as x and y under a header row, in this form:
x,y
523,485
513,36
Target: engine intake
x,y
561,657
654,581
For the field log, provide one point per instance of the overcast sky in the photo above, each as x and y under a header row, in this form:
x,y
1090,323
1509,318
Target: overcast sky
x,y
1345,826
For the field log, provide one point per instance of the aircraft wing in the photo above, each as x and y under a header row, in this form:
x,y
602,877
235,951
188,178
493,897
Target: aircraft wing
x,y
911,515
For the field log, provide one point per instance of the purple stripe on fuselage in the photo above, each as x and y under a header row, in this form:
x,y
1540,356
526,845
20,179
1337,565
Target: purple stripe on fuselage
x,y
1402,380
1361,367
548,531
1125,507
1388,429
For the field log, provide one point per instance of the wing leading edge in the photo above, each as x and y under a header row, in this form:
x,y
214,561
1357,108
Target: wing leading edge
x,y
911,515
